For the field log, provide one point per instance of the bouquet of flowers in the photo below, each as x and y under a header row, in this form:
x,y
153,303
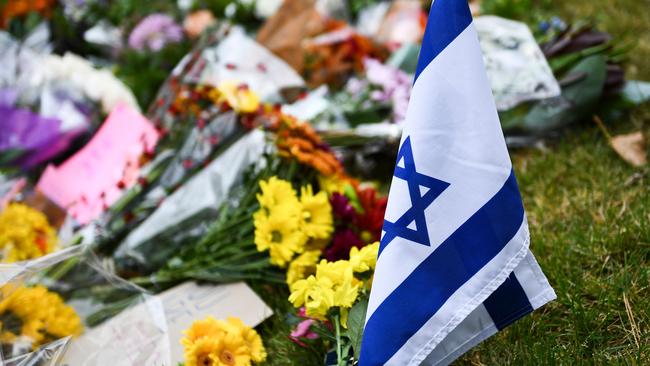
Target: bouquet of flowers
x,y
53,310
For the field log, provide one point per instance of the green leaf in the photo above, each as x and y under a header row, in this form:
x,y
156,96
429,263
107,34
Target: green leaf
x,y
356,321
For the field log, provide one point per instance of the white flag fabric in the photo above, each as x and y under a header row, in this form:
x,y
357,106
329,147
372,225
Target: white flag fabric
x,y
454,265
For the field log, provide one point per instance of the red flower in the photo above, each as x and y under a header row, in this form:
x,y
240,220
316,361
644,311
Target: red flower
x,y
342,242
372,218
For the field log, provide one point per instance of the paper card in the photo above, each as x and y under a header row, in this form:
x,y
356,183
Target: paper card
x,y
517,68
89,181
136,336
133,337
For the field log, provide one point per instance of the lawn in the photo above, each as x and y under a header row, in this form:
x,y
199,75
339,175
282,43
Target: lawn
x,y
590,228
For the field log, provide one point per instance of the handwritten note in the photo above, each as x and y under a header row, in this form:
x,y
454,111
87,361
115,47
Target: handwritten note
x,y
94,177
136,336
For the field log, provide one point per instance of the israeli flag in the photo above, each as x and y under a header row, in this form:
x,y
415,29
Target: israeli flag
x,y
454,265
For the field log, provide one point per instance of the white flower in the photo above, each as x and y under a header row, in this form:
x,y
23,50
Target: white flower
x,y
99,85
266,8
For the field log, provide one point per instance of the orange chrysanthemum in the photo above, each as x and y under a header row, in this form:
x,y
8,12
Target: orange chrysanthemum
x,y
298,140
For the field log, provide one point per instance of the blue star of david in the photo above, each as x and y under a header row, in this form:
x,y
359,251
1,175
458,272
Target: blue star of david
x,y
419,200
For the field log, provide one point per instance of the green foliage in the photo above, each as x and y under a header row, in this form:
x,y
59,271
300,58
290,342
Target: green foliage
x,y
577,101
356,321
144,72
514,9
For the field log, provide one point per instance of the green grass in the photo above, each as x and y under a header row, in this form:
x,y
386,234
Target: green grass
x,y
589,214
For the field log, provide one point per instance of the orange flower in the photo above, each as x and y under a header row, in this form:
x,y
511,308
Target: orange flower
x,y
196,22
298,140
19,8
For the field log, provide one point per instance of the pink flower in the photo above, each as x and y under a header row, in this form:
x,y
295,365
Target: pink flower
x,y
154,32
302,330
395,86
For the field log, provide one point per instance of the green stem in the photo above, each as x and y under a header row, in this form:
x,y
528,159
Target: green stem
x,y
339,356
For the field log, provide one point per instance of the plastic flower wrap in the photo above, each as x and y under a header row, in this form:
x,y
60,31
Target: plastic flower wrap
x,y
216,342
67,308
28,139
25,233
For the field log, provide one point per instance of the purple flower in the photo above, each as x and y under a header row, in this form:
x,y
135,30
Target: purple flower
x,y
341,207
342,241
34,139
8,97
154,32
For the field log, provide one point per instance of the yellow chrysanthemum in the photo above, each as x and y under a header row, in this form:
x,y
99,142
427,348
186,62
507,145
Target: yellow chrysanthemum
x,y
364,259
333,285
202,352
317,221
303,266
276,191
346,286
239,97
316,295
25,233
279,232
42,314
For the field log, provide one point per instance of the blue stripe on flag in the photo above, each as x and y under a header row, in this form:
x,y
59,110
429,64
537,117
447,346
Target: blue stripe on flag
x,y
508,303
447,19
452,264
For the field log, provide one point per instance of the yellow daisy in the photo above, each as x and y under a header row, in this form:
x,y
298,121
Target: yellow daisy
x,y
274,192
208,327
279,233
202,352
317,221
232,351
252,340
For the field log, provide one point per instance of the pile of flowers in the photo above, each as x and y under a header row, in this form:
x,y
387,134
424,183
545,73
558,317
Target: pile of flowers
x,y
25,233
212,342
36,316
